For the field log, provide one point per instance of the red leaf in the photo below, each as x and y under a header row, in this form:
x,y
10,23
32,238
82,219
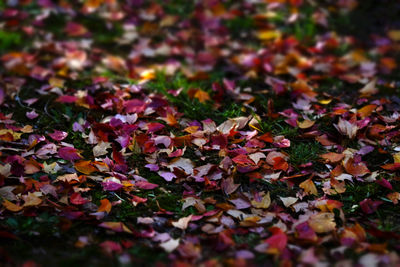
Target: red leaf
x,y
280,164
267,137
369,206
277,242
243,160
304,231
77,199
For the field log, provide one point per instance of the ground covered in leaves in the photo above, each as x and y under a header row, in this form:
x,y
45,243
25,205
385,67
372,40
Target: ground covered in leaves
x,y
207,133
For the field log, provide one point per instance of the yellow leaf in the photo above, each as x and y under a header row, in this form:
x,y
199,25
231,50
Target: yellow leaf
x,y
268,35
16,136
27,129
322,222
263,204
56,82
11,206
325,101
148,74
254,127
394,35
191,129
309,187
305,124
396,157
32,200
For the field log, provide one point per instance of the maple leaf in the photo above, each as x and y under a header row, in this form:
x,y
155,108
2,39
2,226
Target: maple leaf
x,y
369,88
262,203
288,201
356,168
332,157
70,177
305,124
304,231
116,227
170,245
346,128
277,242
11,206
202,96
58,135
369,206
105,205
77,199
85,166
322,222
309,187
32,200
182,223
101,149
69,153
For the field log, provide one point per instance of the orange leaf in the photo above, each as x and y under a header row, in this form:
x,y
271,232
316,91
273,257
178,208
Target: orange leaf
x,y
280,164
356,169
391,166
309,187
366,110
202,96
170,119
11,206
394,197
105,205
332,157
85,166
116,227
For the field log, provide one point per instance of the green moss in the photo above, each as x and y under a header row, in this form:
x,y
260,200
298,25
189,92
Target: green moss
x,y
304,152
240,25
147,256
9,41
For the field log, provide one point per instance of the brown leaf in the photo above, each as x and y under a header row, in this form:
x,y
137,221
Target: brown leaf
x,y
332,157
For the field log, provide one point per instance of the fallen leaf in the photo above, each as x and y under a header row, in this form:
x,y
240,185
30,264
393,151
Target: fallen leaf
x,y
170,245
11,206
309,187
32,200
182,223
116,227
332,157
105,205
85,166
264,202
322,222
305,124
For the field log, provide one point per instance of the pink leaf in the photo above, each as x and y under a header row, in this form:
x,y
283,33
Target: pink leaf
x,y
58,135
68,153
